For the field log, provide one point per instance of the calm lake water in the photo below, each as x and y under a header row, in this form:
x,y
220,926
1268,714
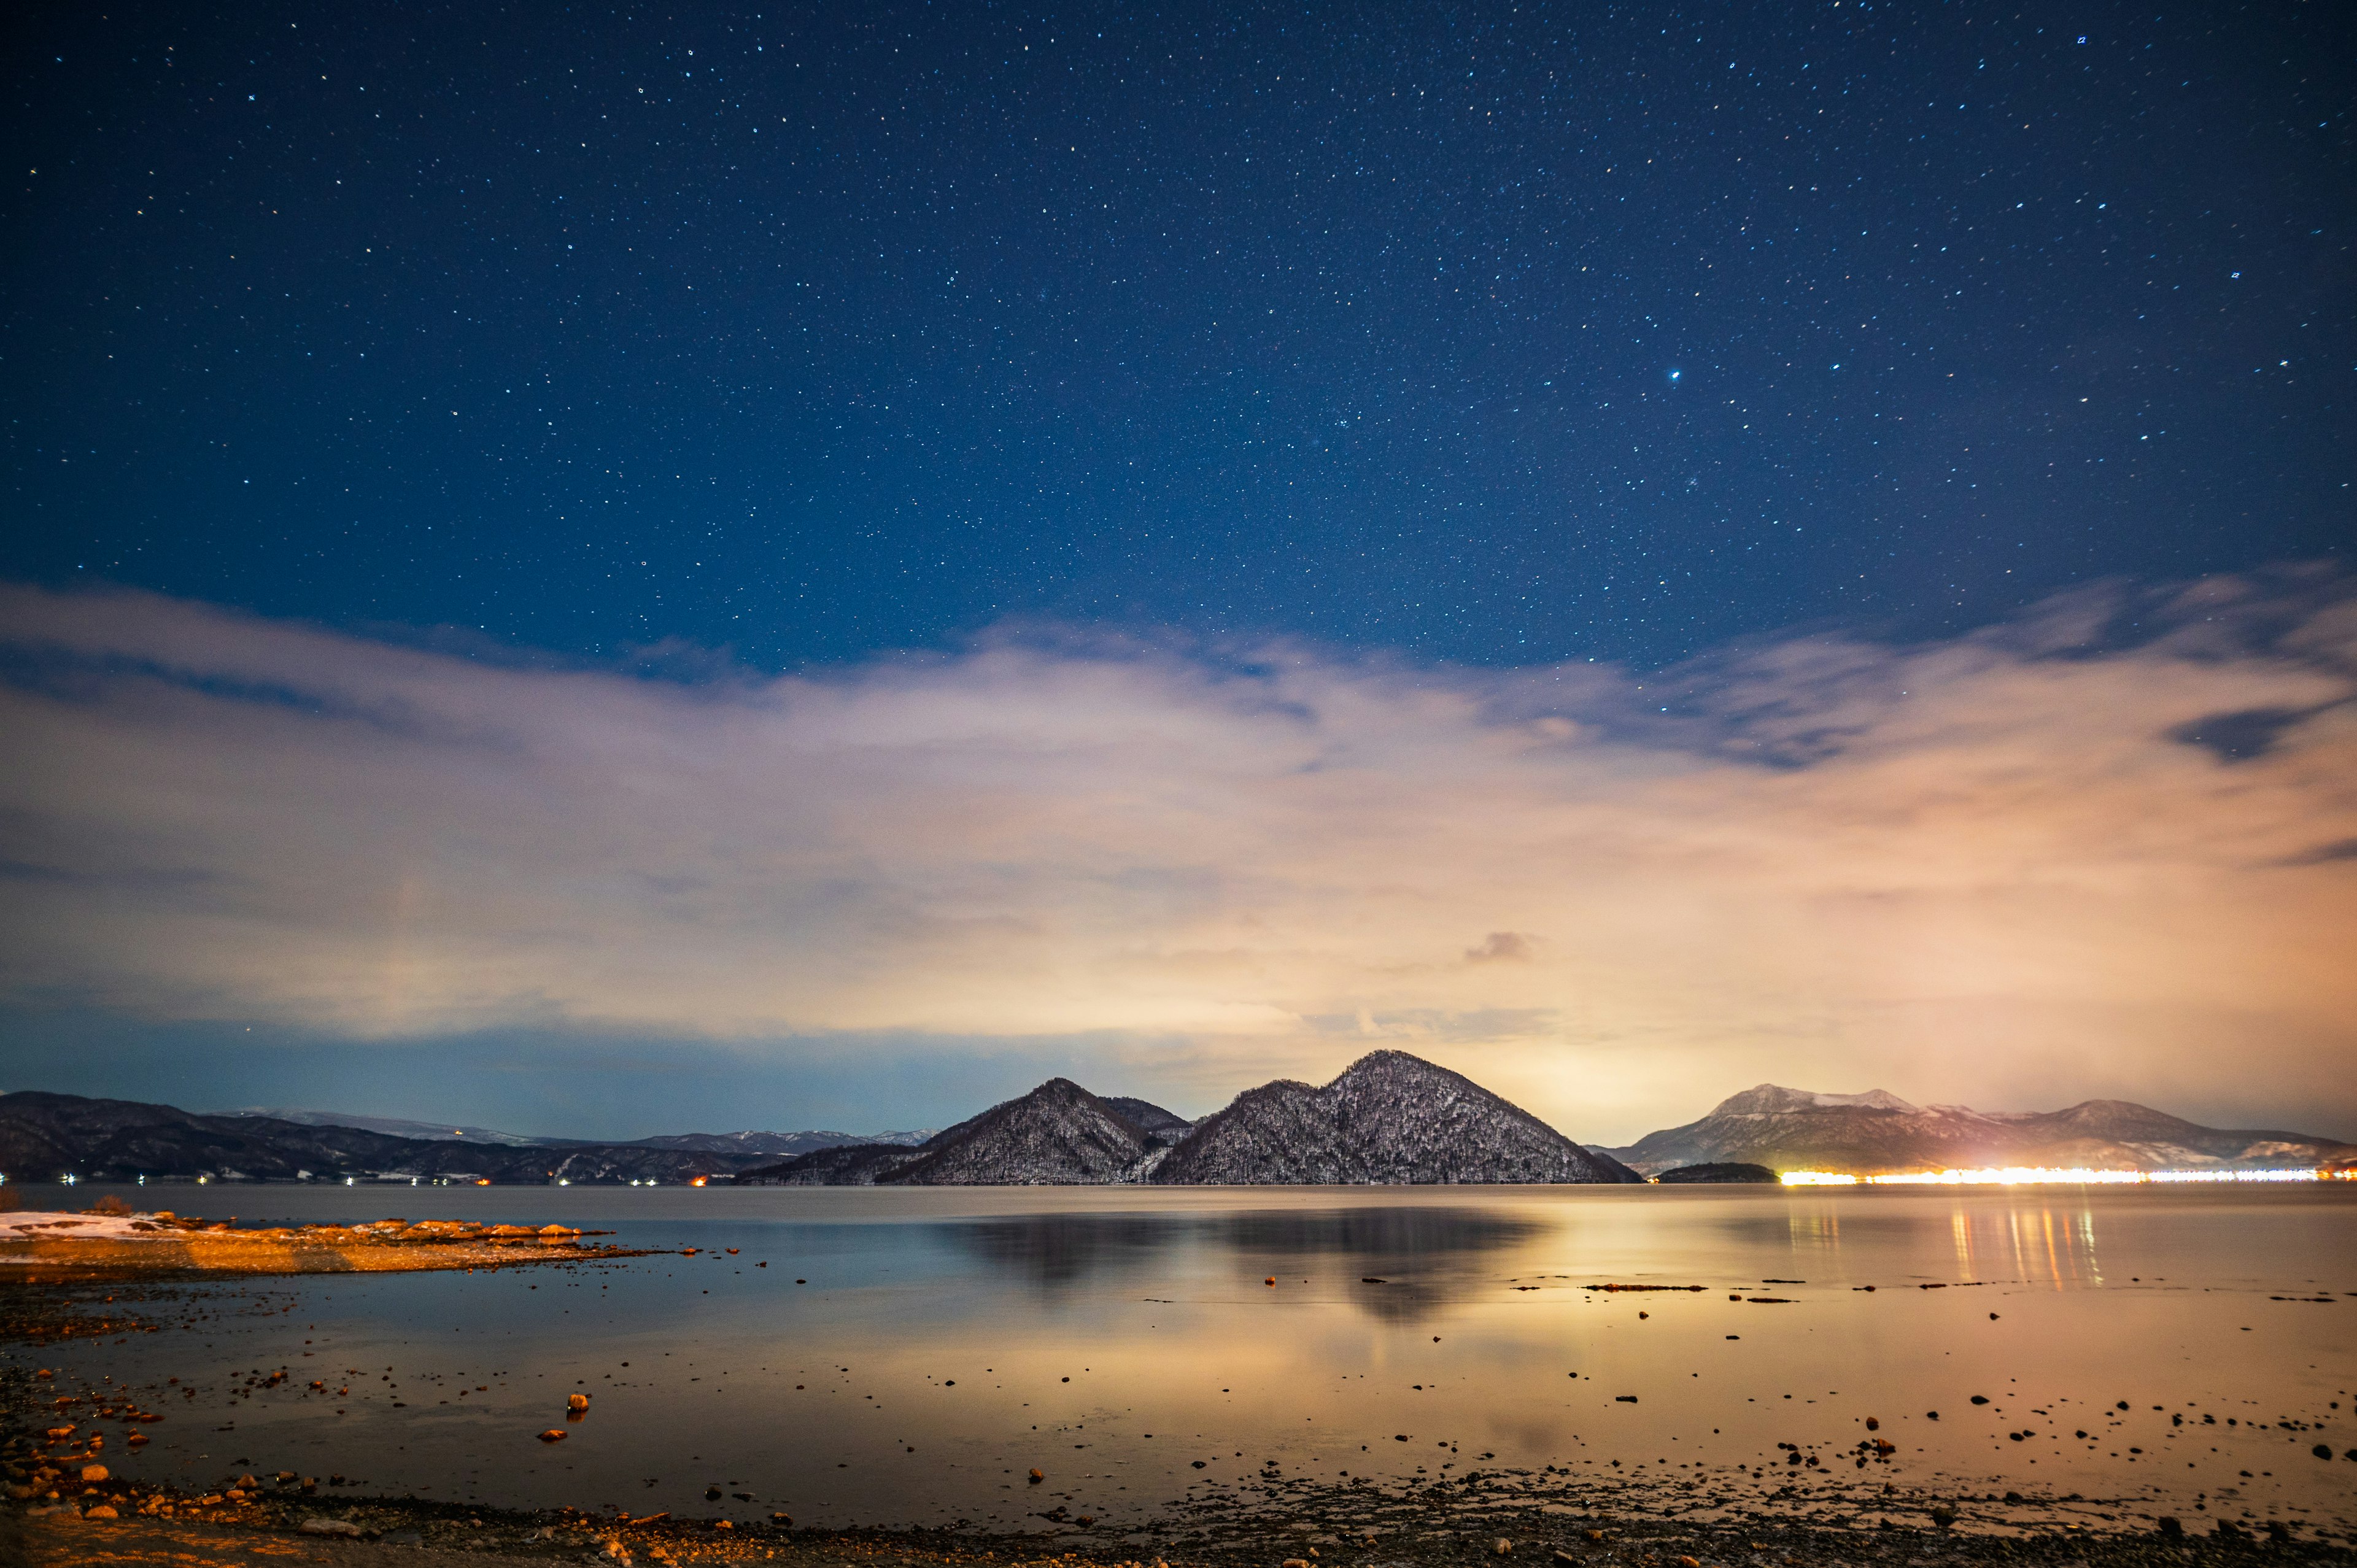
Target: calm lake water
x,y
907,1356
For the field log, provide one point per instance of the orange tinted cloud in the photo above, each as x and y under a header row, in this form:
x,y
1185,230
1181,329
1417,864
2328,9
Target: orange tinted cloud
x,y
2103,850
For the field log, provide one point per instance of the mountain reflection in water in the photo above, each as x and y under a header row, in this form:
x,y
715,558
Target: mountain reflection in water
x,y
1418,1254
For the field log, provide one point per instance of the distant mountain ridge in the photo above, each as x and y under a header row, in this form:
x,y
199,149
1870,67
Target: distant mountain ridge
x,y
749,1143
1389,1118
45,1136
1877,1132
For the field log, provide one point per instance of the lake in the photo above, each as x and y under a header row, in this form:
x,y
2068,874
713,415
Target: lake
x,y
906,1356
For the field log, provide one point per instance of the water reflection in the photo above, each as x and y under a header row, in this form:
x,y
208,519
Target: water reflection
x,y
1407,1259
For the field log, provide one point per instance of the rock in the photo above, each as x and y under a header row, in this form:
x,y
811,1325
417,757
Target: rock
x,y
1564,1560
103,1510
2167,1525
1037,1477
576,1402
1872,1424
93,1473
1501,1547
1942,1515
327,1527
553,1434
2322,1451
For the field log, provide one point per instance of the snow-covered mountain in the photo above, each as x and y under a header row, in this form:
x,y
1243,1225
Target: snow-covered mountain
x,y
1877,1132
1058,1136
1390,1117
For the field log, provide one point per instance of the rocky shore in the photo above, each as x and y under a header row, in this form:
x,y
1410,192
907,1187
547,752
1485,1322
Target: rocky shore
x,y
278,1518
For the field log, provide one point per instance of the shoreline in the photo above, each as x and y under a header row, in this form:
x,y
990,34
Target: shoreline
x,y
160,1525
119,1244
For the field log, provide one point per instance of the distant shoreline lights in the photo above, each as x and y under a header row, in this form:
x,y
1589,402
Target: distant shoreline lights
x,y
2032,1176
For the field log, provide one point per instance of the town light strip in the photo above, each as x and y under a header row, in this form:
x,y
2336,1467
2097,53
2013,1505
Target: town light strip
x,y
2031,1175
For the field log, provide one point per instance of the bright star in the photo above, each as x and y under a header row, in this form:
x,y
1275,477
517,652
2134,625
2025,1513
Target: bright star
x,y
1676,374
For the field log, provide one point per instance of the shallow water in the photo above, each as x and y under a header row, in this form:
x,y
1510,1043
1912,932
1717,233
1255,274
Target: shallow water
x,y
948,1340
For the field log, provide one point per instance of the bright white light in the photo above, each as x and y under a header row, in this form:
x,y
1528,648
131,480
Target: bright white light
x,y
2030,1175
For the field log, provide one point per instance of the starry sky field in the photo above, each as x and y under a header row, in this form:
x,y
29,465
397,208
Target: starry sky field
x,y
949,543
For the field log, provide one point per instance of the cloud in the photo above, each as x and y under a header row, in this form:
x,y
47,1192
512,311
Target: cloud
x,y
2013,867
1507,947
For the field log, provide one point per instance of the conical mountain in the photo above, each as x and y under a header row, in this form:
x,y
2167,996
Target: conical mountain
x,y
1389,1118
1058,1136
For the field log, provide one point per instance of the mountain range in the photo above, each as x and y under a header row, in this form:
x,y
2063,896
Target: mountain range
x,y
1389,1118
1878,1132
44,1136
749,1143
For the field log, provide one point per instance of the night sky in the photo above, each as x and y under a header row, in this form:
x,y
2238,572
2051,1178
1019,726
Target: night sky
x,y
1492,334
841,560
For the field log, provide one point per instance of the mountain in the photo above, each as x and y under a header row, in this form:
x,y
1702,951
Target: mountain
x,y
1389,1118
44,1136
1058,1136
1164,1127
392,1124
773,1143
1878,1132
768,1143
847,1164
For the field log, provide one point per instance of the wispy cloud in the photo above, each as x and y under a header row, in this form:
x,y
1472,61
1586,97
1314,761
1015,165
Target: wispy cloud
x,y
2100,849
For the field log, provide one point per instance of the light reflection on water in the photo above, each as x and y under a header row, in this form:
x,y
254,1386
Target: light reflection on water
x,y
947,1341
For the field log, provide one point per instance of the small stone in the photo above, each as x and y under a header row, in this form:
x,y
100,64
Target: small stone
x,y
1038,1476
576,1402
93,1473
327,1527
553,1434
103,1510
1503,1547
